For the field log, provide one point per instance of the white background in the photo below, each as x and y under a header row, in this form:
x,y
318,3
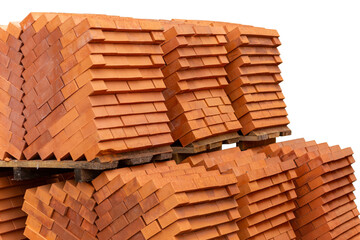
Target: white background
x,y
320,50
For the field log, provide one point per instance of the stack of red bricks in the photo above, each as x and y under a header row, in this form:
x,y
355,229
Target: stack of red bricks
x,y
254,78
166,201
195,78
11,119
253,75
92,85
63,210
266,191
12,219
288,190
81,86
325,199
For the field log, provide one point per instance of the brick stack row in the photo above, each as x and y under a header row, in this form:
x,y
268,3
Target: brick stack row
x,y
166,201
195,57
325,199
63,210
253,75
11,119
289,190
12,218
92,85
266,191
254,71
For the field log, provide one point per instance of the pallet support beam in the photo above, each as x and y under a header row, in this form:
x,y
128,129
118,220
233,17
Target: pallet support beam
x,y
244,145
85,175
32,173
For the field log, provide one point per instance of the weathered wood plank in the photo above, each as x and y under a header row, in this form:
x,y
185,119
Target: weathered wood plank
x,y
244,145
272,130
218,138
207,144
134,154
65,164
100,163
267,133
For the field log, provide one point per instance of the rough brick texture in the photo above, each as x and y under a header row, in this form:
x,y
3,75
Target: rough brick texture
x,y
12,132
166,201
253,75
12,218
266,190
325,207
62,210
92,85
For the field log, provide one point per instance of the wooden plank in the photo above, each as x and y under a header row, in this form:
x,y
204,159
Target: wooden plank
x,y
65,164
249,138
134,154
199,148
207,144
135,161
183,150
267,133
218,138
216,145
162,156
285,133
244,145
100,163
233,140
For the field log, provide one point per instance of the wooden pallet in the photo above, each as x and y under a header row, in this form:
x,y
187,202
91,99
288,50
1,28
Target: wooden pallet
x,y
205,145
262,137
244,145
266,133
85,170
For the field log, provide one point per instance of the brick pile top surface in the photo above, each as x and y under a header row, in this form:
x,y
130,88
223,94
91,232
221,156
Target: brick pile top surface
x,y
79,86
